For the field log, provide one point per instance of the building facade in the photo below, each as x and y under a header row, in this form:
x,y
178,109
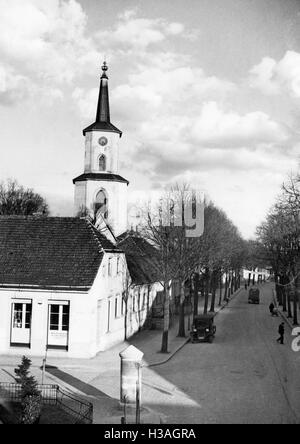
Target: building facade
x,y
61,287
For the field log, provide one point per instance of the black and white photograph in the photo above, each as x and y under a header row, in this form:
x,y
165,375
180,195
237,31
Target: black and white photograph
x,y
149,214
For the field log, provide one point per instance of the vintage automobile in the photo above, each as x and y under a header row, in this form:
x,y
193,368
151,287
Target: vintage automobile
x,y
203,328
253,296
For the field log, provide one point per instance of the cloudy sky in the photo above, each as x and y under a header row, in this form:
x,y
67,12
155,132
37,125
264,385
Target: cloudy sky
x,y
205,91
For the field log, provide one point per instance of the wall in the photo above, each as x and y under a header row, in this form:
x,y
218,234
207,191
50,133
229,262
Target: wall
x,y
80,326
85,195
140,305
93,150
96,323
109,285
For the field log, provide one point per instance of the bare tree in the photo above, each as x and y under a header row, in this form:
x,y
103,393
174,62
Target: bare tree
x,y
17,200
165,226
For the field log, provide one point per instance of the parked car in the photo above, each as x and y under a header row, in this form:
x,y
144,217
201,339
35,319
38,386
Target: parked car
x,y
203,328
253,296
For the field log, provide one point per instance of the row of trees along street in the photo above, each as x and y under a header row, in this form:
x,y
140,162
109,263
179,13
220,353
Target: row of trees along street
x,y
198,262
279,244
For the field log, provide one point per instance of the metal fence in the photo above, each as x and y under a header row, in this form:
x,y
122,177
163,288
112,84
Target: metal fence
x,y
80,410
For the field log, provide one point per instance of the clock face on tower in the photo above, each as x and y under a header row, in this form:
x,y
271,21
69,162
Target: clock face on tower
x,y
102,141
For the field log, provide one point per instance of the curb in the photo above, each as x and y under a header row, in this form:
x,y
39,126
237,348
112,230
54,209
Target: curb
x,y
154,364
225,304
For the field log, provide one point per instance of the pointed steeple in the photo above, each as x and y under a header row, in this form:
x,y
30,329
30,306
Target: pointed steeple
x,y
103,114
102,122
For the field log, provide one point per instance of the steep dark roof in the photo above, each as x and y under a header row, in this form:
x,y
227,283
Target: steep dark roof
x,y
100,176
50,252
142,258
102,126
102,122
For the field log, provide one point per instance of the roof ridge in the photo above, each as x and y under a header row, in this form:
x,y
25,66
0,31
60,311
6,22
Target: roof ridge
x,y
127,234
93,228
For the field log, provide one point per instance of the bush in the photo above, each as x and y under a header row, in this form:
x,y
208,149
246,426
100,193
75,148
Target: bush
x,y
31,396
31,409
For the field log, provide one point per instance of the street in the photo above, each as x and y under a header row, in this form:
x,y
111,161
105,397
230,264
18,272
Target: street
x,y
243,377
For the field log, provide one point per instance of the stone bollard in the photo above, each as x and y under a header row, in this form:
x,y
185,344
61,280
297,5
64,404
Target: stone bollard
x,y
131,380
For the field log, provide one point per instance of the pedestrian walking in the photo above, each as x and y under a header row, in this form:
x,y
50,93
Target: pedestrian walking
x,y
281,333
271,308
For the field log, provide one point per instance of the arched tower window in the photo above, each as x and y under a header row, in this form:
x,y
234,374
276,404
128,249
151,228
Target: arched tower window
x,y
101,203
102,163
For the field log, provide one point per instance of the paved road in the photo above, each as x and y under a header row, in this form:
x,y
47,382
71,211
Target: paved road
x,y
243,377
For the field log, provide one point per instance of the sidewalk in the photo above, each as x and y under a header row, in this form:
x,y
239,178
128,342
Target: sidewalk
x,y
98,379
287,320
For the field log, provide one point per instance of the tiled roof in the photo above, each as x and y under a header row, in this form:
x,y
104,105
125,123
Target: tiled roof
x,y
109,177
48,252
142,258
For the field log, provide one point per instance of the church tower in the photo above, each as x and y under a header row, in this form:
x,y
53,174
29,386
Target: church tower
x,y
100,188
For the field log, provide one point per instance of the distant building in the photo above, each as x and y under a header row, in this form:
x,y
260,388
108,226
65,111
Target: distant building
x,y
256,275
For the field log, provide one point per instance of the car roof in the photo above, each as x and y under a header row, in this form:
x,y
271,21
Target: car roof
x,y
205,316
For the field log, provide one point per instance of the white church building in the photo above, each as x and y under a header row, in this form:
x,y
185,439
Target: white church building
x,y
65,283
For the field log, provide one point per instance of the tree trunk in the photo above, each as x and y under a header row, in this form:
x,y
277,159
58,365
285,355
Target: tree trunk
x,y
289,305
295,302
229,286
226,287
196,297
220,283
232,284
165,335
181,329
214,289
125,319
297,294
206,292
277,289
213,299
283,294
235,281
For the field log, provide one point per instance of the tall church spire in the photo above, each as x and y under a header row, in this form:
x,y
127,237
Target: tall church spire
x,y
103,114
102,122
100,188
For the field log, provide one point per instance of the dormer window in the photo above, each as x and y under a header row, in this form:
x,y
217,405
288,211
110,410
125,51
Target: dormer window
x,y
102,163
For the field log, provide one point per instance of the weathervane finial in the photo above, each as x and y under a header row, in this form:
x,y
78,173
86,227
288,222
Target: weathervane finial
x,y
104,66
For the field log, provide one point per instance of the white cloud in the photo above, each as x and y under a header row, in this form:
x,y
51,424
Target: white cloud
x,y
215,127
45,41
133,32
275,77
13,86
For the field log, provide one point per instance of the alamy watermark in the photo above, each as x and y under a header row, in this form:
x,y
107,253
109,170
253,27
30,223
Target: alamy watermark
x,y
296,341
179,209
